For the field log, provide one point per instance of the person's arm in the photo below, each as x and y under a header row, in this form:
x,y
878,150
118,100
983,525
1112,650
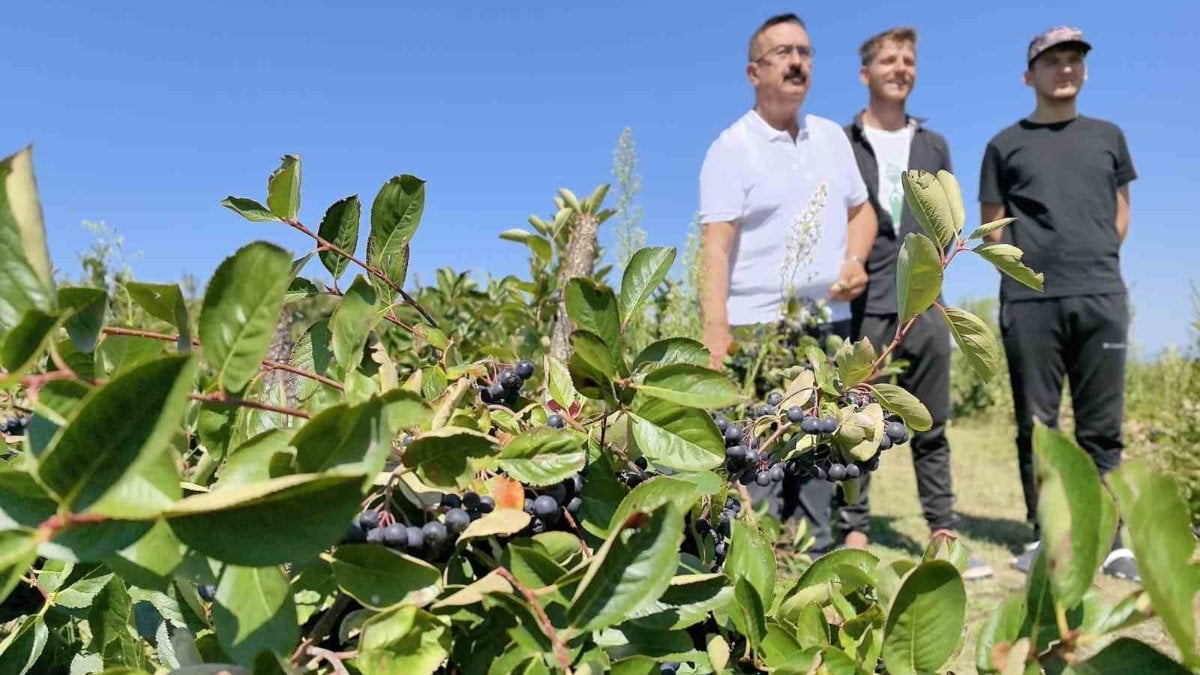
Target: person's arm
x,y
862,228
988,212
1122,212
716,243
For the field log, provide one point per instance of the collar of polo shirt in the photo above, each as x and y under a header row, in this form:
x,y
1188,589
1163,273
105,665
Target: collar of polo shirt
x,y
771,134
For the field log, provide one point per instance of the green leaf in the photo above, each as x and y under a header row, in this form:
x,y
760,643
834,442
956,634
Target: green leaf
x,y
379,577
690,385
781,650
150,561
1000,627
954,199
404,640
108,620
752,558
249,209
351,323
340,228
591,365
854,361
26,341
23,502
283,188
118,353
1126,655
558,382
498,522
918,276
21,648
593,308
313,352
255,460
166,302
539,245
645,271
660,490
395,214
543,456
927,199
686,602
254,612
25,274
353,438
677,437
18,550
750,612
240,311
1069,504
975,339
88,306
109,459
925,622
444,457
243,525
671,351
986,228
630,570
904,404
1159,534
1007,259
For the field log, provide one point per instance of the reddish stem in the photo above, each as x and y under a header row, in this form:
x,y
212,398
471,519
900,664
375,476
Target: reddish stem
x,y
220,398
560,649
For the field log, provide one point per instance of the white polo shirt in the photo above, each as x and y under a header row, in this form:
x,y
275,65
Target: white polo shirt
x,y
766,184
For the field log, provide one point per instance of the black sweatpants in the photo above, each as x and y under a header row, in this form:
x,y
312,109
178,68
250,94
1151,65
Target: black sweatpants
x,y
927,350
1081,337
809,497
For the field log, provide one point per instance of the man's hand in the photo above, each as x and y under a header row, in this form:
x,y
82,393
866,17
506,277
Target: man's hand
x,y
852,281
719,340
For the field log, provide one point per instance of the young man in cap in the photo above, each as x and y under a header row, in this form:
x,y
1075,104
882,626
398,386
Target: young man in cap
x,y
1065,178
887,141
772,169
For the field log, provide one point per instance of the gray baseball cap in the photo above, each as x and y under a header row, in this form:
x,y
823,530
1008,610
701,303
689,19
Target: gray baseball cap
x,y
1059,35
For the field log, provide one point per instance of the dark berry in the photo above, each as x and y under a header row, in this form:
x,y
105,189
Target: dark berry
x,y
355,534
416,538
529,505
577,484
538,526
733,434
895,431
555,420
763,478
829,425
545,506
703,527
641,463
395,535
369,520
720,549
752,456
872,464
810,425
471,501
853,471
885,443
524,369
207,592
777,473
457,520
792,467
487,504
774,398
633,480
722,423
375,536
510,381
574,505
822,473
766,410
451,500
837,472
434,532
668,668
735,452
488,397
558,493
795,414
747,477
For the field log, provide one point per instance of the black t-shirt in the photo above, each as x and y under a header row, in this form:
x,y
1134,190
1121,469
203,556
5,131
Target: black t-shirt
x,y
1060,182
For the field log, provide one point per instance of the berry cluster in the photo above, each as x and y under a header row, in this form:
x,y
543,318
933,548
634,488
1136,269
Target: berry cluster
x,y
546,504
720,533
505,389
428,541
637,474
14,426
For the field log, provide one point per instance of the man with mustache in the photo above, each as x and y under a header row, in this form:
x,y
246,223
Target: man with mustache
x,y
887,141
1065,178
771,176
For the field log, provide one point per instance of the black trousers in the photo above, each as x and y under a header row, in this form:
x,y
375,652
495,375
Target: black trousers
x,y
810,498
927,350
1084,339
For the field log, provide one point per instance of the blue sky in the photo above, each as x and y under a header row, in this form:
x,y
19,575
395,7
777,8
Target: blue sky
x,y
145,115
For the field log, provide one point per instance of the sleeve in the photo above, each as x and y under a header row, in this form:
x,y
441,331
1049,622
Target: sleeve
x,y
990,188
722,198
856,189
1125,171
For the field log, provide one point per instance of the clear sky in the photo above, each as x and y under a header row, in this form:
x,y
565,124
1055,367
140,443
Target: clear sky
x,y
146,114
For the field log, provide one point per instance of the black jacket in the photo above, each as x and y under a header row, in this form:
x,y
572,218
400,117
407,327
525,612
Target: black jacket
x,y
928,152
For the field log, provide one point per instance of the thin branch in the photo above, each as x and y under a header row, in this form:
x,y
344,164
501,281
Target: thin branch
x,y
560,648
372,270
334,659
221,398
322,627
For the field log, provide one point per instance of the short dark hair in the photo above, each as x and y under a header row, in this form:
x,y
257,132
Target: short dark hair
x,y
870,49
771,22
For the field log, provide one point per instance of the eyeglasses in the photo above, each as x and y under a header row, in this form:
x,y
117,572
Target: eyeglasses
x,y
805,52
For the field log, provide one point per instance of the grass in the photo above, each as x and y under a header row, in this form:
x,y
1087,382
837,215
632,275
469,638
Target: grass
x,y
992,524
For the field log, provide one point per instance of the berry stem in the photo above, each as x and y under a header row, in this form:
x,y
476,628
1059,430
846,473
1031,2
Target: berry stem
x,y
322,627
220,398
560,648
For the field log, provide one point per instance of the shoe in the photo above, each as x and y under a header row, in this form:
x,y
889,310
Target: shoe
x,y
1023,562
1122,565
857,540
977,569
